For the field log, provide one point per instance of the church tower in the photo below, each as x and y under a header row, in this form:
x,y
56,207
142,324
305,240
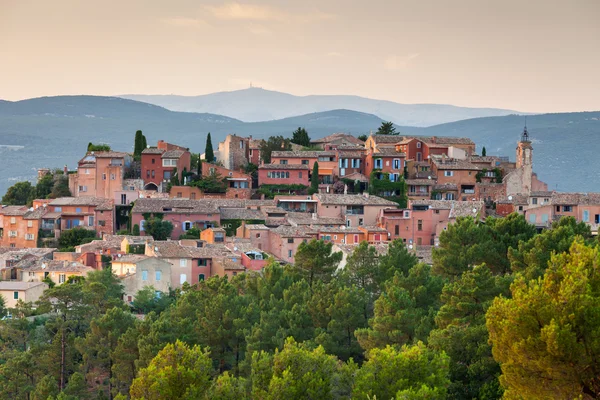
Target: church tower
x,y
525,161
524,150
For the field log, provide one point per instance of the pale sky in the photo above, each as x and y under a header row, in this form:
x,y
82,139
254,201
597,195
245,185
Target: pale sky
x,y
528,55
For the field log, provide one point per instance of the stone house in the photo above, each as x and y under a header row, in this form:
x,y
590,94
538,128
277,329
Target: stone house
x,y
355,210
99,174
26,291
283,174
160,163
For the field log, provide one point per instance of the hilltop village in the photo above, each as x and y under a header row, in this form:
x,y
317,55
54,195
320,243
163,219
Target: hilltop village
x,y
165,217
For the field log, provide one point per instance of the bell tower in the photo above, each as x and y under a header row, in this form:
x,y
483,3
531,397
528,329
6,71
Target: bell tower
x,y
524,150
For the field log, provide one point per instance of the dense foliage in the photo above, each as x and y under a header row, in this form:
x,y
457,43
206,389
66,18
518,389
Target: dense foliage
x,y
209,154
274,143
507,309
387,128
300,137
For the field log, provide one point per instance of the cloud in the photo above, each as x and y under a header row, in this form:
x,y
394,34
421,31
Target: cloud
x,y
396,63
253,12
184,22
259,30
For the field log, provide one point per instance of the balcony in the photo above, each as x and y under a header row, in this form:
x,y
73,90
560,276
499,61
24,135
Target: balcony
x,y
467,189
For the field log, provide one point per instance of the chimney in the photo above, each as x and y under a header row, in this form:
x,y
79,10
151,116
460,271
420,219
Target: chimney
x,y
366,194
314,215
346,189
66,170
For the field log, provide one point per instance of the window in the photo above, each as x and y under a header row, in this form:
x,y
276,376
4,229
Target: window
x,y
29,236
101,223
586,216
283,162
448,173
532,218
378,163
187,225
420,225
148,173
567,208
304,162
153,173
123,199
142,225
87,171
13,220
12,234
112,177
289,253
406,214
557,208
61,278
290,240
597,219
418,145
397,163
202,262
544,217
449,196
360,222
182,279
182,262
534,200
90,220
144,275
78,209
419,241
193,196
200,277
103,177
153,161
30,224
57,209
83,188
167,162
258,235
397,230
158,275
16,295
300,174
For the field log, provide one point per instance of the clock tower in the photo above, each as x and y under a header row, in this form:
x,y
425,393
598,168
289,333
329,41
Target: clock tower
x,y
524,162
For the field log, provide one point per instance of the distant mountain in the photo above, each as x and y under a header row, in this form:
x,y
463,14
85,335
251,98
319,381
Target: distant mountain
x,y
54,131
255,104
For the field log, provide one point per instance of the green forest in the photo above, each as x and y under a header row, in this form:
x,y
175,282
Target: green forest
x,y
503,312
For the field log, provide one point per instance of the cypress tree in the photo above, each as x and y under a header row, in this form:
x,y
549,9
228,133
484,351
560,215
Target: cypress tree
x,y
199,166
209,155
139,145
483,152
314,179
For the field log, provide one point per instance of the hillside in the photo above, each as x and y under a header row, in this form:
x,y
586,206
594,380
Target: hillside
x,y
255,104
54,131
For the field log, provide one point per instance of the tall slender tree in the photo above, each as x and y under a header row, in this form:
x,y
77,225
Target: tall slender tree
x,y
139,145
483,152
314,179
209,155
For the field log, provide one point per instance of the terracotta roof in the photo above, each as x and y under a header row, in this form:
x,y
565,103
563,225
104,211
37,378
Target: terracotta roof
x,y
354,199
421,182
466,208
174,206
298,218
540,194
380,248
341,229
434,204
351,154
36,213
173,249
357,147
241,213
391,139
294,231
261,227
453,164
388,152
254,144
172,154
301,154
559,198
109,154
131,258
53,265
338,136
14,211
443,140
283,166
152,150
79,201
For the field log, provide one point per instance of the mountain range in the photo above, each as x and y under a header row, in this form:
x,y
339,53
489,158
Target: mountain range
x,y
256,105
54,131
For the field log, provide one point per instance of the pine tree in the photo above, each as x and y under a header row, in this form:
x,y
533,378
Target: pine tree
x,y
209,155
300,137
483,152
387,128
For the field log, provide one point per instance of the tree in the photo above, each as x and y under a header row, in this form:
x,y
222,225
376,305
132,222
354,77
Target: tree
x,y
300,137
76,389
212,183
461,333
60,188
43,188
274,143
363,138
46,388
19,194
158,229
413,372
546,336
97,147
146,300
483,152
209,155
75,237
139,145
177,372
387,128
314,179
316,261
228,387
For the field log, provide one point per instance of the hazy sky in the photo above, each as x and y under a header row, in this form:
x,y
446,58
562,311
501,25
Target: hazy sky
x,y
529,55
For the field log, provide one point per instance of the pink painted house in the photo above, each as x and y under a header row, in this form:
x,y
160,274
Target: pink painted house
x,y
283,174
